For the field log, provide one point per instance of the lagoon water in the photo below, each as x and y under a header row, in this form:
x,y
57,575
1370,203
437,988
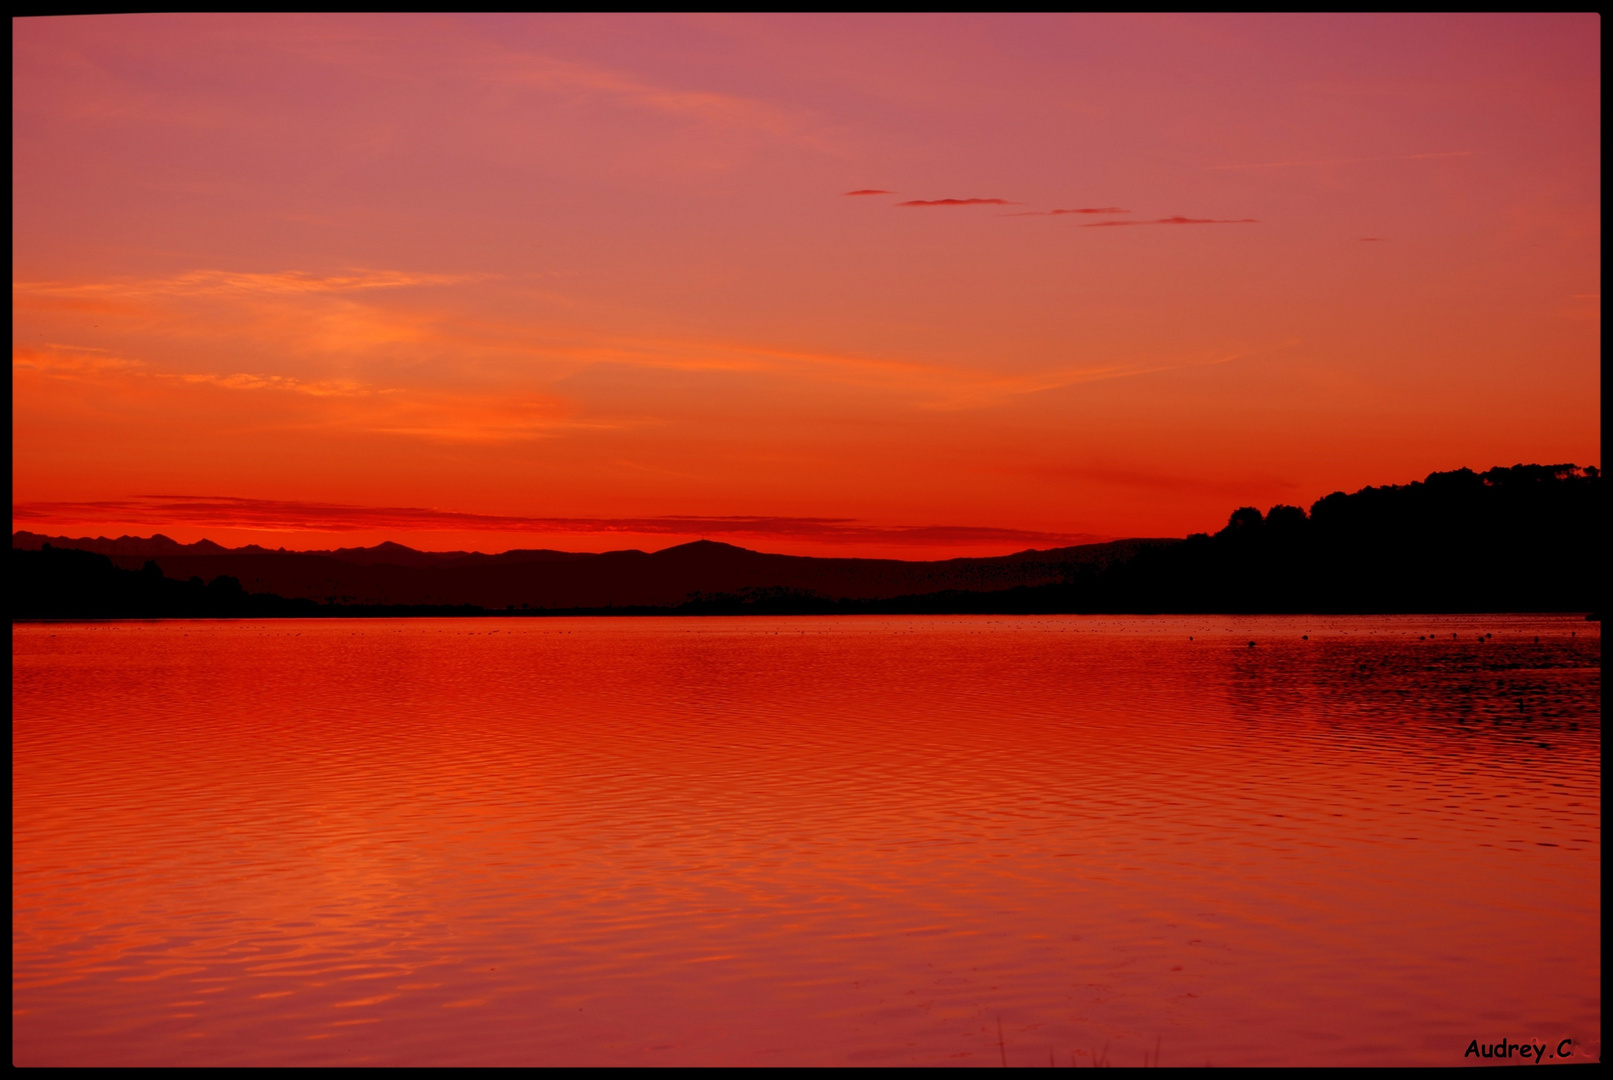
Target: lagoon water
x,y
946,840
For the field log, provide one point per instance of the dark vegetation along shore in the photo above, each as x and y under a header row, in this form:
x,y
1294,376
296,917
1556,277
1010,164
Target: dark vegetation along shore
x,y
1525,538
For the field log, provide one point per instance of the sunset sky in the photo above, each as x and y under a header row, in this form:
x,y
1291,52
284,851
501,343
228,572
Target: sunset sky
x,y
895,285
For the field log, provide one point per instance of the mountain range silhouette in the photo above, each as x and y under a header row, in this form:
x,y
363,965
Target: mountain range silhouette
x,y
1523,538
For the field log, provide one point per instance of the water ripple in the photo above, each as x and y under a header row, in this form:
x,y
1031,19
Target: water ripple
x,y
804,841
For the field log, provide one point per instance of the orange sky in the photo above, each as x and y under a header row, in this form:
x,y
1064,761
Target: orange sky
x,y
567,281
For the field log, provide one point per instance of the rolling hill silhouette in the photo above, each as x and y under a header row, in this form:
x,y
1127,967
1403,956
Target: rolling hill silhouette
x,y
560,580
1527,537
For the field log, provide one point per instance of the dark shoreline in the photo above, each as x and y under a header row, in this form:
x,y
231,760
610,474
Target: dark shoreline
x,y
1524,538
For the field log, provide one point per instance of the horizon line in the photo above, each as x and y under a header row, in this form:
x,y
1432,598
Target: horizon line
x,y
258,516
1082,540
299,516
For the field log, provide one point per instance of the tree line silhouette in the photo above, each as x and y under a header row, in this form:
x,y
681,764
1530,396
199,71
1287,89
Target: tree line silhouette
x,y
1524,538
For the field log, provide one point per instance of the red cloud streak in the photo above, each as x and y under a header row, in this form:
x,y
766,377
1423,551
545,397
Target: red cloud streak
x,y
1175,221
293,516
956,202
868,191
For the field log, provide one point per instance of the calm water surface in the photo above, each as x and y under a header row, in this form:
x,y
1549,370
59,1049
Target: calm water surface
x,y
798,841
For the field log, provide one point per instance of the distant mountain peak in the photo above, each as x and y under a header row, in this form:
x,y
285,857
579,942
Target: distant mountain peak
x,y
703,545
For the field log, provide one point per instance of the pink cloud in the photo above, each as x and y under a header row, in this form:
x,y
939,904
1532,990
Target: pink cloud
x,y
868,191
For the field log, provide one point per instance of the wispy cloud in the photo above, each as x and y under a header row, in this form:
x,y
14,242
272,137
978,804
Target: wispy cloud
x,y
332,325
288,403
293,314
222,282
87,364
1173,221
868,191
70,361
711,107
930,386
272,515
243,381
957,202
1344,161
1075,210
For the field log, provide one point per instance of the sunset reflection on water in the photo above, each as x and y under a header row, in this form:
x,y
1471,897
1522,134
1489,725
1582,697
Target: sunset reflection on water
x,y
805,840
